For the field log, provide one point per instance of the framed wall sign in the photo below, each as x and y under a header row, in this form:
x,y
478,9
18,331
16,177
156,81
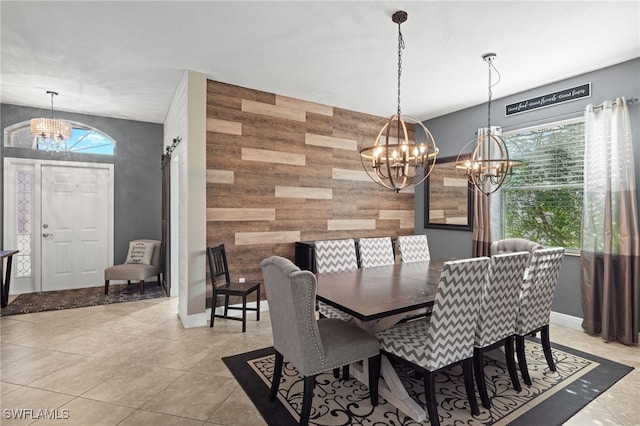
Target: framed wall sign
x,y
448,197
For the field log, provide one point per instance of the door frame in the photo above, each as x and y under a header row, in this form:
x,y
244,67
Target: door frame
x,y
34,283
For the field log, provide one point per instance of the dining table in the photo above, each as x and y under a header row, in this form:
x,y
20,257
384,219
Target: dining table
x,y
372,295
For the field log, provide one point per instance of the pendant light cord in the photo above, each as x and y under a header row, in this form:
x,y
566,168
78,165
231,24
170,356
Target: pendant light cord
x,y
400,47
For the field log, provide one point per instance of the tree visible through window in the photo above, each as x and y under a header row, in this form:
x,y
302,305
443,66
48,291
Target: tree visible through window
x,y
543,200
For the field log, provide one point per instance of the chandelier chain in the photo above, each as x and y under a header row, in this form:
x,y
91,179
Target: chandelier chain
x,y
400,47
490,96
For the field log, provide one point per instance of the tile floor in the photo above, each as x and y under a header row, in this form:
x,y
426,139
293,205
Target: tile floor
x,y
134,364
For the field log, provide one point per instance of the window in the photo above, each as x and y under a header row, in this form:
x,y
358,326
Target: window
x,y
542,201
84,139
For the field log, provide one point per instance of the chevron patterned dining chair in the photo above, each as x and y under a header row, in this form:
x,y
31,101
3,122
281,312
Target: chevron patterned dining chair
x,y
311,346
335,256
534,309
497,316
414,248
446,338
376,252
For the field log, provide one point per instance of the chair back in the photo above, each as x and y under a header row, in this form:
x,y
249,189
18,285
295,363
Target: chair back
x,y
376,252
335,256
500,298
538,289
455,311
218,266
414,248
291,294
513,245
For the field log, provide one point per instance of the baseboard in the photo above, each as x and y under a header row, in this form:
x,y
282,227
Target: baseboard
x,y
565,320
197,320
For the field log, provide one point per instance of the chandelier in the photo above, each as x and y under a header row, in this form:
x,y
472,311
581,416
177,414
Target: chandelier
x,y
489,164
50,134
395,160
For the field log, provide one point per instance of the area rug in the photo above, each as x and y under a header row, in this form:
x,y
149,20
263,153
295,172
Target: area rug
x,y
553,398
80,297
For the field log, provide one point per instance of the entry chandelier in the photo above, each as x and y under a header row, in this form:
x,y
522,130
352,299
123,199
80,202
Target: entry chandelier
x,y
489,164
395,161
50,134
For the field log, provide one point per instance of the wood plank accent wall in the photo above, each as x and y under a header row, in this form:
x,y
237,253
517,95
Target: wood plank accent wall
x,y
281,170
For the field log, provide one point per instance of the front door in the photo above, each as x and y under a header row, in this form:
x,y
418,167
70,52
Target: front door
x,y
74,226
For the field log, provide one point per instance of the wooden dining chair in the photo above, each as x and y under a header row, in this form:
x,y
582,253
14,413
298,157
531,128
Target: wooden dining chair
x,y
534,309
413,248
218,267
376,252
497,316
446,338
311,346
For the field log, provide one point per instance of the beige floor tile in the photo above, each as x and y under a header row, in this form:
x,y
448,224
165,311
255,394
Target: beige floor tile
x,y
194,396
212,365
36,366
237,410
80,377
145,418
10,352
6,388
24,404
82,411
593,415
134,386
97,343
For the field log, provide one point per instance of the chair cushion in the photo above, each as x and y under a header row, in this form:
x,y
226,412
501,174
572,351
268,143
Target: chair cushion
x,y
130,271
329,311
140,252
409,341
345,343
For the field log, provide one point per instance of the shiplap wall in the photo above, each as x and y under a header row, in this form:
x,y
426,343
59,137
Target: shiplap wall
x,y
281,170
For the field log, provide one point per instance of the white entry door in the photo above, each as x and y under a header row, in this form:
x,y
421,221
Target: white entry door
x,y
74,226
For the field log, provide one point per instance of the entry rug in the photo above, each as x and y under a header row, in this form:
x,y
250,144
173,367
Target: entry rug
x,y
553,398
81,297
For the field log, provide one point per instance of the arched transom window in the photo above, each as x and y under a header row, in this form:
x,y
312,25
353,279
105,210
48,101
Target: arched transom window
x,y
84,139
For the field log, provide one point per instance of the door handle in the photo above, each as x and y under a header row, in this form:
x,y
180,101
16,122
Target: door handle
x,y
47,235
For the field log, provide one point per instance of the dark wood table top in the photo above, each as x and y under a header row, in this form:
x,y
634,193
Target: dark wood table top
x,y
373,293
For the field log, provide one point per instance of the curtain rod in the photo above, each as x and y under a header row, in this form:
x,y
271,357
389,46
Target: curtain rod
x,y
567,115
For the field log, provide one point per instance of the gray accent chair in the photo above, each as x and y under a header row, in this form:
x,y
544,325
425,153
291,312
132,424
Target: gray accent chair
x,y
513,245
136,271
312,346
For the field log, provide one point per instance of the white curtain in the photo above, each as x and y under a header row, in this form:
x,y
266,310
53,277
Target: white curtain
x,y
610,252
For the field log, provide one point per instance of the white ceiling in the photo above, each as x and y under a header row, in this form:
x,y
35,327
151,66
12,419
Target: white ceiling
x,y
124,59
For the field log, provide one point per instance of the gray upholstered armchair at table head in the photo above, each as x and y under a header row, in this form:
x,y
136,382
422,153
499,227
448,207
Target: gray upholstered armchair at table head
x,y
144,260
311,346
513,245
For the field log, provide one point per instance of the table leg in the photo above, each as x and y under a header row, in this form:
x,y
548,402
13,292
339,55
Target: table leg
x,y
391,388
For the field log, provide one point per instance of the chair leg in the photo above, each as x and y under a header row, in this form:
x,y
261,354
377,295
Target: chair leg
x,y
546,347
467,370
258,304
277,375
307,398
106,286
336,373
159,280
214,297
522,361
141,286
244,313
511,363
226,304
430,396
374,378
345,372
478,369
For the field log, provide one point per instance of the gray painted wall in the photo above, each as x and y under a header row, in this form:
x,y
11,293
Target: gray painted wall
x,y
137,174
453,131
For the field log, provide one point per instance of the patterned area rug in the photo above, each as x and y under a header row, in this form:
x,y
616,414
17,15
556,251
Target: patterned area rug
x,y
80,297
552,399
